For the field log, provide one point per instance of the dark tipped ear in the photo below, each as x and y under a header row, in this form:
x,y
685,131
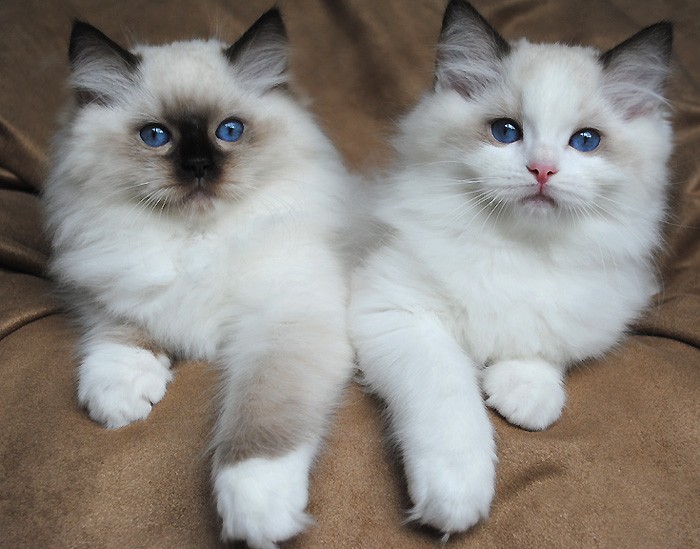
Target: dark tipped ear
x,y
637,69
260,56
102,70
469,50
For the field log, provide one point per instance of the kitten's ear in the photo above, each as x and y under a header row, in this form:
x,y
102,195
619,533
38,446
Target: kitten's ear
x,y
102,70
260,56
636,70
469,51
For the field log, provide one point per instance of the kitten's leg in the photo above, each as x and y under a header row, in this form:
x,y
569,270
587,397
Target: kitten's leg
x,y
437,414
281,384
528,393
119,378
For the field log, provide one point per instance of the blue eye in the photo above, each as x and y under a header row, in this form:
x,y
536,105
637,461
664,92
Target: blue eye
x,y
585,140
505,130
230,130
155,135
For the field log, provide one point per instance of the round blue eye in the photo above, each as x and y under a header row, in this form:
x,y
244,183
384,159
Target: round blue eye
x,y
585,140
155,135
230,130
505,130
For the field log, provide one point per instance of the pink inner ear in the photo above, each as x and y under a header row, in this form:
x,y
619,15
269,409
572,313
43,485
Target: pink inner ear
x,y
461,87
636,111
455,81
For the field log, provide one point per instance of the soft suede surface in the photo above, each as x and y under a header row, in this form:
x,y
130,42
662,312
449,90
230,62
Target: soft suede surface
x,y
620,469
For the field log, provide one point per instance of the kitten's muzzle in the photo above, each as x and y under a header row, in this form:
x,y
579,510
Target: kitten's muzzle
x,y
198,166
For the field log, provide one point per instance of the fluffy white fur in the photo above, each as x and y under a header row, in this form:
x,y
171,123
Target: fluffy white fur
x,y
120,383
251,280
478,286
262,500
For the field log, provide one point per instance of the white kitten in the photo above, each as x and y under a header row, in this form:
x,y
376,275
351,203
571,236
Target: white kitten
x,y
194,208
523,214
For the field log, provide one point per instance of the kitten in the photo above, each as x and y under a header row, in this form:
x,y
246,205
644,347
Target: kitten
x,y
523,213
194,208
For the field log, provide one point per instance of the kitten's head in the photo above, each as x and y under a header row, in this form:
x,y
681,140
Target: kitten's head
x,y
182,126
535,132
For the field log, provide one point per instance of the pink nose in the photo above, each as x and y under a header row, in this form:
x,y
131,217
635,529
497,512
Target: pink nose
x,y
542,172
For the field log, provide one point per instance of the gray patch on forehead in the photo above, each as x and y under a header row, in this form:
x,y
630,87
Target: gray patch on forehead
x,y
180,113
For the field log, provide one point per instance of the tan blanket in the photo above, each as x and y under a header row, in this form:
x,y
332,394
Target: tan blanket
x,y
620,469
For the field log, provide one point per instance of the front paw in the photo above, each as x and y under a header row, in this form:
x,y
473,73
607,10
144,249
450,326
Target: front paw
x,y
453,494
262,500
528,393
119,384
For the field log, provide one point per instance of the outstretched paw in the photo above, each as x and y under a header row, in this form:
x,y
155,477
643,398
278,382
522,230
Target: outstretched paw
x,y
452,495
119,384
528,393
262,500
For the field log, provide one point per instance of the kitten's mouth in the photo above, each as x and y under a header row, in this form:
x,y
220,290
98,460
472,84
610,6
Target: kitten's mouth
x,y
195,195
199,195
199,191
540,200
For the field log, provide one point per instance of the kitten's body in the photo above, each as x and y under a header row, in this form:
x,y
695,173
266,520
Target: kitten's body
x,y
494,276
206,249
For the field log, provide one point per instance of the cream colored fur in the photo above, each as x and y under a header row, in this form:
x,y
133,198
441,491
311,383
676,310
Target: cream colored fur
x,y
251,280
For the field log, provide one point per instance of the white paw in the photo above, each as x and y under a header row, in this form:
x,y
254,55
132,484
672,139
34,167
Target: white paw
x,y
262,500
119,384
452,494
528,393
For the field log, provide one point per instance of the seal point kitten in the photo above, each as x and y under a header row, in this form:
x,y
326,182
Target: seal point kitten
x,y
195,208
523,212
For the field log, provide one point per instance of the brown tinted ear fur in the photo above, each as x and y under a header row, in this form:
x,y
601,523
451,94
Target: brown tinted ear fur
x,y
637,69
469,50
101,69
260,56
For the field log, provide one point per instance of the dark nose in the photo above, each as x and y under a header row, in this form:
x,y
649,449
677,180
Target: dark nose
x,y
198,165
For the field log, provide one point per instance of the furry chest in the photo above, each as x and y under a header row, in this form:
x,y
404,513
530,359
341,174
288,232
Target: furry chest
x,y
179,290
519,308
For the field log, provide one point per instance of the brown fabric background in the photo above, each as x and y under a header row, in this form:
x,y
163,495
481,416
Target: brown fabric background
x,y
621,468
